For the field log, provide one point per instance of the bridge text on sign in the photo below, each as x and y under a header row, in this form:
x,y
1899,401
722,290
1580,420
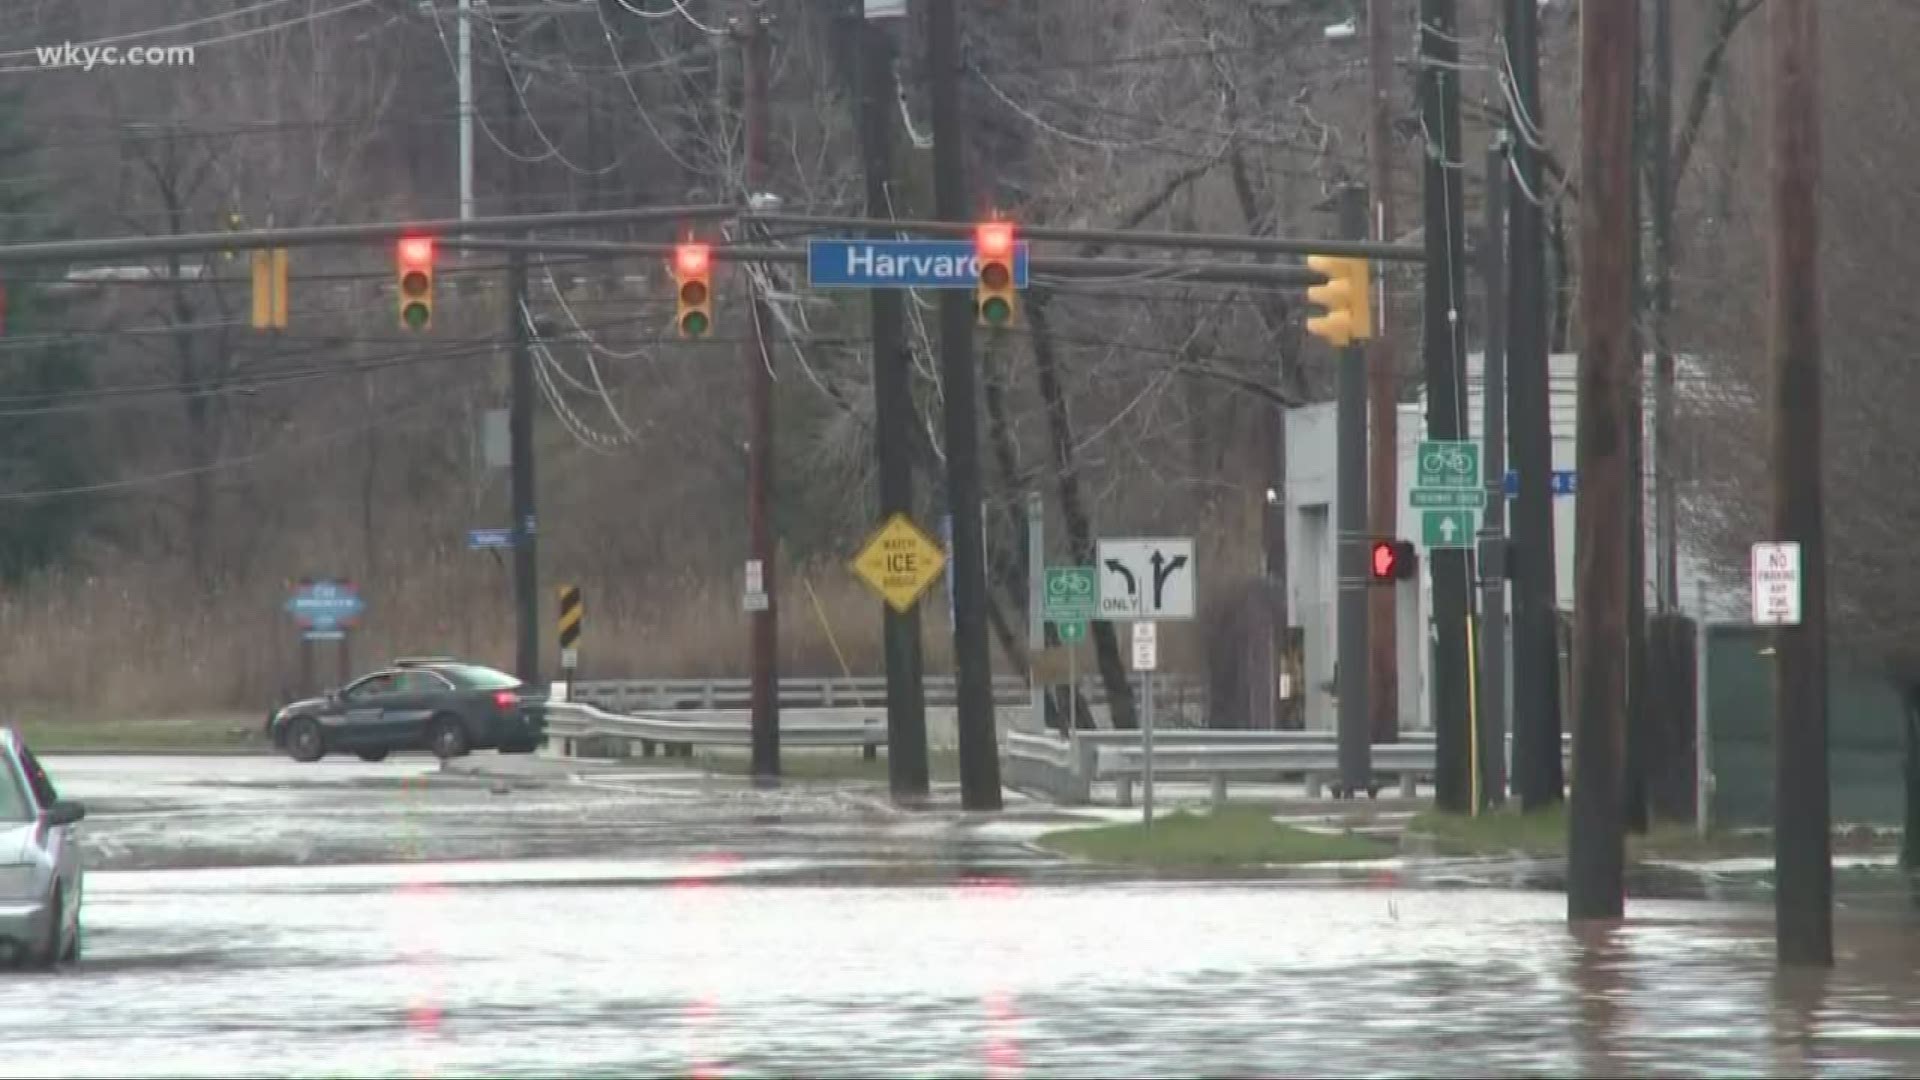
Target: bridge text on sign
x,y
1776,584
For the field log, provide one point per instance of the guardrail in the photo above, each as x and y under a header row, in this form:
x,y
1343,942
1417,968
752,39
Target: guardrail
x,y
1065,770
573,725
707,695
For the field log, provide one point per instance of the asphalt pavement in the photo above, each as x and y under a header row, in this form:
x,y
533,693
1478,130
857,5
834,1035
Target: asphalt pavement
x,y
258,917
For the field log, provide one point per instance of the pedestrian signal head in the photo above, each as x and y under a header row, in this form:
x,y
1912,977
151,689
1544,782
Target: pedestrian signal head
x,y
415,256
1391,560
993,248
692,272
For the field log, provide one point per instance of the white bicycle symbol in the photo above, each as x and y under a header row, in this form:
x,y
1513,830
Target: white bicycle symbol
x,y
1070,585
1447,461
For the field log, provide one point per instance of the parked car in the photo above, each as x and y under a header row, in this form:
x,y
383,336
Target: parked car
x,y
41,876
427,703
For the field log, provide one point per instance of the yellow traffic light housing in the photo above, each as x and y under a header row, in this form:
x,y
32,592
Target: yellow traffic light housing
x,y
1345,296
270,289
416,282
994,296
693,274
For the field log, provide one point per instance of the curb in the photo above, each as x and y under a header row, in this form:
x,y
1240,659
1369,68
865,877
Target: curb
x,y
153,751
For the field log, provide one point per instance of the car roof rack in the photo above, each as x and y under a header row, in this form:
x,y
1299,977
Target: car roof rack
x,y
424,661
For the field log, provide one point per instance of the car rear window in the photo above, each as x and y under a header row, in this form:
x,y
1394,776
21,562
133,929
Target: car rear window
x,y
475,677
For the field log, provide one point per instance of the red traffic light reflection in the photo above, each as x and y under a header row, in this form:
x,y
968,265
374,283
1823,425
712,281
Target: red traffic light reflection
x,y
416,250
994,239
690,259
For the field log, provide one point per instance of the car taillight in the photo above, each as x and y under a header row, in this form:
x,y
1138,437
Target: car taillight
x,y
506,699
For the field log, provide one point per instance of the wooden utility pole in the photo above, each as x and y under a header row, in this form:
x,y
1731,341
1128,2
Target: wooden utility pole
x,y
1491,746
1536,657
1383,384
979,742
870,53
1802,843
1444,334
757,357
1609,380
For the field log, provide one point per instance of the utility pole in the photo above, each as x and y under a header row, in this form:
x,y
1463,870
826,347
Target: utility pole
x,y
979,742
751,31
1609,376
1383,383
870,53
1633,781
1355,746
1536,660
1660,199
1802,842
526,563
1444,331
1493,527
463,35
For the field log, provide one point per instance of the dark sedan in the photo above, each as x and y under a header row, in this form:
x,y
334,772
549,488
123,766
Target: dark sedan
x,y
441,705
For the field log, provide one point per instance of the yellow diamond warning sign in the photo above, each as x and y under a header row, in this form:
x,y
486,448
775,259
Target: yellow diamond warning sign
x,y
900,561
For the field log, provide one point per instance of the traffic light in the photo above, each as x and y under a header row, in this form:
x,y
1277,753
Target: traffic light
x,y
270,289
416,282
993,254
693,271
1349,316
1391,560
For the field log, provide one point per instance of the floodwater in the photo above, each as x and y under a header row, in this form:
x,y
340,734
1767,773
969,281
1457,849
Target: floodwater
x,y
727,957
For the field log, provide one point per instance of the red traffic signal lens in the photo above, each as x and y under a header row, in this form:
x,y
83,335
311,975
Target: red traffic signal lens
x,y
693,293
690,259
995,275
1386,559
994,239
413,283
417,250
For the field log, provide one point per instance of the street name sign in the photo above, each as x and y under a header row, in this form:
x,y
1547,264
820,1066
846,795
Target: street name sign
x,y
901,264
900,561
1776,584
1565,482
1447,498
1146,579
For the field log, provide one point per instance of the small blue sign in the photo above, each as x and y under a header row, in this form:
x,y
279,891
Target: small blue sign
x,y
325,606
1563,482
901,264
478,539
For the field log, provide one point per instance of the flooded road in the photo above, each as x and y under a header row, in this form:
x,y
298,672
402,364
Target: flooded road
x,y
691,929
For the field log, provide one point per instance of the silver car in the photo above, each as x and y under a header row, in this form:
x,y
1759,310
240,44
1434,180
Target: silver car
x,y
40,871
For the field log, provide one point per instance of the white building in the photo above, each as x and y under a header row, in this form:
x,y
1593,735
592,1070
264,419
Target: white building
x,y
1313,513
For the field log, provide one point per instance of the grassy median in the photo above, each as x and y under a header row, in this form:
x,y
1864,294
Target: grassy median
x,y
51,734
1544,833
1234,836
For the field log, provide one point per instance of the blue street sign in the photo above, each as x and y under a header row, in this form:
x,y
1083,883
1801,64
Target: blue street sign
x,y
478,539
1563,482
900,264
325,606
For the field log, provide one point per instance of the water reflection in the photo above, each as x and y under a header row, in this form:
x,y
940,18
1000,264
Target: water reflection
x,y
1600,957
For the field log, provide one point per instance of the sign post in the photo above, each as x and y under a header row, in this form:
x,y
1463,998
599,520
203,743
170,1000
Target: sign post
x,y
1145,659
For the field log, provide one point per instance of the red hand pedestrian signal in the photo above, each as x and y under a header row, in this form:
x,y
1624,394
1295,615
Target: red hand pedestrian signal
x,y
1391,560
